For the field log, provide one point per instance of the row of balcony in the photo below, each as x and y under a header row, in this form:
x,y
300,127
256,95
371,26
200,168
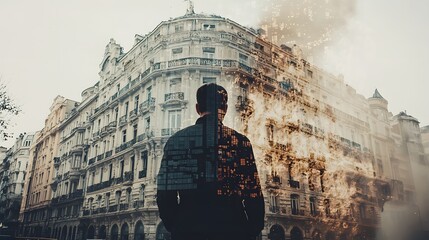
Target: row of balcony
x,y
102,185
275,182
128,177
113,208
125,145
102,106
68,197
148,134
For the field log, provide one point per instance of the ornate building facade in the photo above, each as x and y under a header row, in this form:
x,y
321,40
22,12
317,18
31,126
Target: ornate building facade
x,y
324,152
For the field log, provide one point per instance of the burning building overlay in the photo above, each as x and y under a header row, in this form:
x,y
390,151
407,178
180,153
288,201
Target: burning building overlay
x,y
329,159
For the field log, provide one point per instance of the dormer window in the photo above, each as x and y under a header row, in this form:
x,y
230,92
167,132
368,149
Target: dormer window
x,y
207,26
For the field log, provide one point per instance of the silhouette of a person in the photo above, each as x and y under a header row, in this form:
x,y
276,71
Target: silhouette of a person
x,y
208,184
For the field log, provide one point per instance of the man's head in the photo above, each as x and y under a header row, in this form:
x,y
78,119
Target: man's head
x,y
212,98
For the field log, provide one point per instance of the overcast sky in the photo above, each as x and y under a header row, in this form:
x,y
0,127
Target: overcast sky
x,y
51,48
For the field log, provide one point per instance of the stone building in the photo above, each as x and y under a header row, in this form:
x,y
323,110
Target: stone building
x,y
14,171
323,151
35,208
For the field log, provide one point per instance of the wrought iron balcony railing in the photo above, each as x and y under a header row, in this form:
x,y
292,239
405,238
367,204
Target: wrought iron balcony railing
x,y
147,105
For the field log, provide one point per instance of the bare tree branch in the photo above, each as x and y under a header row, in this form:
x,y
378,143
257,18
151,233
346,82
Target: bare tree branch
x,y
7,108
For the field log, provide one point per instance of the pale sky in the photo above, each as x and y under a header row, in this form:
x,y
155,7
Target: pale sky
x,y
52,48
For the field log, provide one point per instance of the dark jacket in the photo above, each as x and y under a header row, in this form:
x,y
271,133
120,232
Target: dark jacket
x,y
208,182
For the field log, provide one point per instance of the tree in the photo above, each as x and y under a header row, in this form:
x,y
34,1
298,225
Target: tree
x,y
7,109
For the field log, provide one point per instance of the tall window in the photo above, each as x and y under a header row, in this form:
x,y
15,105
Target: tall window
x,y
135,132
132,164
147,124
313,206
128,196
149,92
174,119
118,197
92,178
107,200
124,136
136,103
327,205
126,108
141,195
101,174
294,204
274,203
104,146
143,157
113,142
110,171
121,169
116,114
90,201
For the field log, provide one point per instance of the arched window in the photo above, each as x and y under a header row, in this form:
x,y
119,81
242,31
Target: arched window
x,y
139,231
91,232
70,233
64,233
74,233
102,232
276,233
114,232
162,233
296,234
124,231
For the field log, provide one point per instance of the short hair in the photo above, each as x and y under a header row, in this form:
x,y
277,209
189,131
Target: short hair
x,y
211,97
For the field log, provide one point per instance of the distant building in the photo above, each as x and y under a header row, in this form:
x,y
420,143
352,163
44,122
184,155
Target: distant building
x,y
325,154
12,173
35,211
